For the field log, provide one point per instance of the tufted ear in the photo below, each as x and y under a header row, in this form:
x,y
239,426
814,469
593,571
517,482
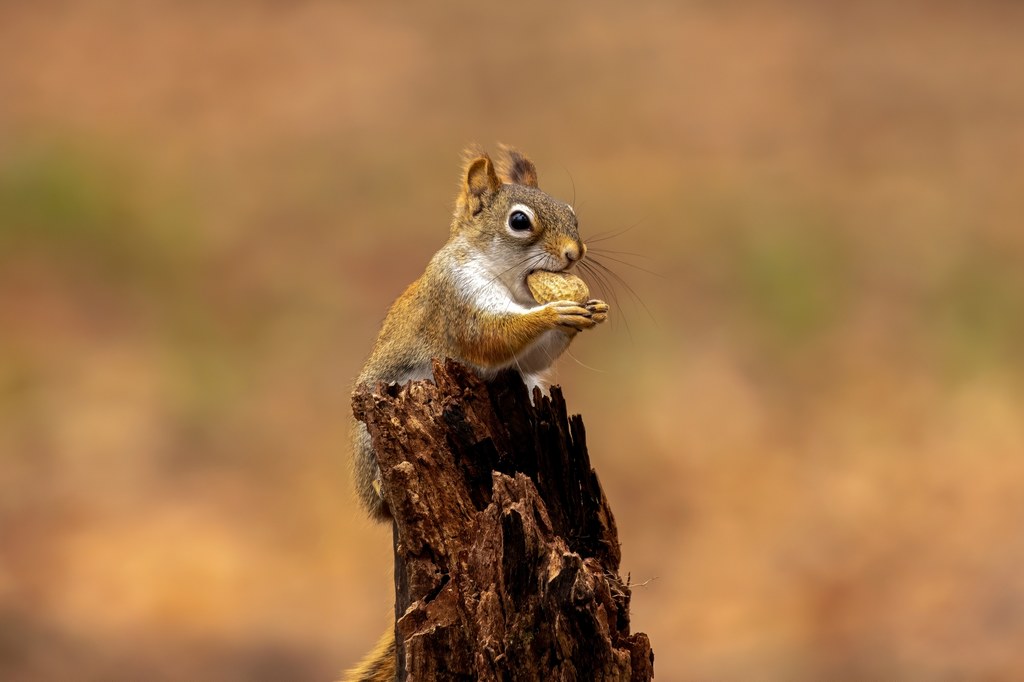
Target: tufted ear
x,y
479,183
516,169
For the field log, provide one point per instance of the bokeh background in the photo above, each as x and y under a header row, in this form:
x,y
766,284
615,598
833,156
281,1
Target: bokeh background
x,y
807,413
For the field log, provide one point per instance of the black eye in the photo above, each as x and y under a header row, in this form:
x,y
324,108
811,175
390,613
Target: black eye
x,y
519,221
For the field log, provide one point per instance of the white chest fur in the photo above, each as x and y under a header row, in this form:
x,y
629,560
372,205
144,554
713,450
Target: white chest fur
x,y
484,288
477,281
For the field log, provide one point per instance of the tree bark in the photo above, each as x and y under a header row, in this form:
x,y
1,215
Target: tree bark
x,y
506,552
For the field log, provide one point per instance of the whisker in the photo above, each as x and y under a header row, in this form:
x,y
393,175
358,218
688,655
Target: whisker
x,y
591,268
604,236
573,182
630,265
615,276
582,364
602,280
620,253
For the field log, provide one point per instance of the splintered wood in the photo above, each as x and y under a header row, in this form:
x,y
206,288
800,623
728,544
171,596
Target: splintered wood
x,y
506,552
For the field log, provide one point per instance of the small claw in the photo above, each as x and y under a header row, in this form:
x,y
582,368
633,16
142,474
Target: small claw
x,y
572,314
598,310
577,321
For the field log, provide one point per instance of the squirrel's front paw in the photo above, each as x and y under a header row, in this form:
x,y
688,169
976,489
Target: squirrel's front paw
x,y
598,310
571,314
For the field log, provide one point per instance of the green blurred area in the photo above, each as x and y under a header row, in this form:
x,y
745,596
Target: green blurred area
x,y
805,410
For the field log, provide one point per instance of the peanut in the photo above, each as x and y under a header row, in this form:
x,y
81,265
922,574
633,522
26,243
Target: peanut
x,y
557,286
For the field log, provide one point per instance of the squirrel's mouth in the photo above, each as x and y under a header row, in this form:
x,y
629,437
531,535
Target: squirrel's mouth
x,y
558,271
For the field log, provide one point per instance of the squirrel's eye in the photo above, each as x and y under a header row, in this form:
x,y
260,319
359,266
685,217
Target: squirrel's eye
x,y
519,221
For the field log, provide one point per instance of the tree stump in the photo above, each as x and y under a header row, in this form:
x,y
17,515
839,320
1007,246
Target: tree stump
x,y
506,552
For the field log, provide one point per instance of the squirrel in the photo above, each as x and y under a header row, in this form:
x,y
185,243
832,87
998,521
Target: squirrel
x,y
473,304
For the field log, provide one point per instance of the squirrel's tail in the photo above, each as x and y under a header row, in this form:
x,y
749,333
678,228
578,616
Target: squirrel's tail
x,y
379,664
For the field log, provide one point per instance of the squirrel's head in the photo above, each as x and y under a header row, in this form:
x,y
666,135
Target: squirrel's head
x,y
518,228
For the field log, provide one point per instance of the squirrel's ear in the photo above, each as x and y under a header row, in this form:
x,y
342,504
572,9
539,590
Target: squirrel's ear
x,y
515,168
479,184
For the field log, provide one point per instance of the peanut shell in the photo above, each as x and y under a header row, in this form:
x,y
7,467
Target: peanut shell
x,y
557,286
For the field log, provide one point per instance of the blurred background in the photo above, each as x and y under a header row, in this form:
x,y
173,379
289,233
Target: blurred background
x,y
808,419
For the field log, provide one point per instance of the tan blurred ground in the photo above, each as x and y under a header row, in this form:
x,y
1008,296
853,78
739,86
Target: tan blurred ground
x,y
813,442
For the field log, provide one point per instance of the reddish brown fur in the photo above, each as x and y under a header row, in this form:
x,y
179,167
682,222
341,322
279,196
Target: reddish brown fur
x,y
514,168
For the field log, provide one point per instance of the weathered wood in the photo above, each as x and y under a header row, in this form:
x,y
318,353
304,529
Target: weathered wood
x,y
506,552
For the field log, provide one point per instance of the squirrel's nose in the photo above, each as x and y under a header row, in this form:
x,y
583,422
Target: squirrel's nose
x,y
573,252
